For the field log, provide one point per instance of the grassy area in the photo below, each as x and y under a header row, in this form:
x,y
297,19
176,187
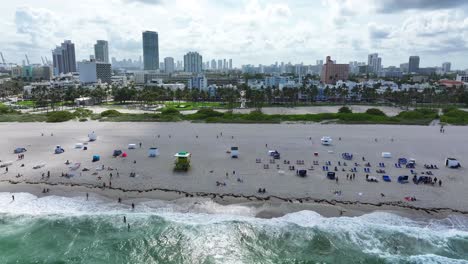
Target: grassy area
x,y
208,115
193,105
454,116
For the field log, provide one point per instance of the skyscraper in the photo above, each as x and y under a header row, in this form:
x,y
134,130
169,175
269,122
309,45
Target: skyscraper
x,y
374,62
150,50
101,51
220,64
230,63
63,57
169,65
446,67
213,64
413,64
193,62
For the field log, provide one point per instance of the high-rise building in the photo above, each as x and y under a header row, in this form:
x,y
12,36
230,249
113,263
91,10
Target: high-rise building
x,y
413,64
230,64
446,67
213,64
220,64
224,64
169,65
63,57
193,62
332,72
374,62
101,51
150,50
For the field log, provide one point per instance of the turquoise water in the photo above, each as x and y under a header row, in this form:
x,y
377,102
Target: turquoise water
x,y
71,230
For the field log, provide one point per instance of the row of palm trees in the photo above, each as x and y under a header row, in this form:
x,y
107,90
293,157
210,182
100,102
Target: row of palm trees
x,y
257,98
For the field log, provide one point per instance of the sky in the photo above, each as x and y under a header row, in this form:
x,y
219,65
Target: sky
x,y
248,31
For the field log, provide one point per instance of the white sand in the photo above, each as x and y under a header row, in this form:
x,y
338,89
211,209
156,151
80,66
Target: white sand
x,y
425,144
390,111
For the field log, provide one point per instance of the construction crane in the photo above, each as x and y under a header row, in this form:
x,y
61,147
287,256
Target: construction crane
x,y
27,60
42,59
3,59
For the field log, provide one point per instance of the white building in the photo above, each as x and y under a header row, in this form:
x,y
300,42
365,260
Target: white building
x,y
92,71
374,62
462,78
193,62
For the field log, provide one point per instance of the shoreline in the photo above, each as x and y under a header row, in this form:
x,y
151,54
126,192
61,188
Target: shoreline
x,y
275,205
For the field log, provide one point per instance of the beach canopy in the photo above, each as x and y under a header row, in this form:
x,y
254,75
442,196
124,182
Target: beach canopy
x,y
96,158
234,152
19,150
131,146
79,145
153,152
326,140
452,163
92,136
386,155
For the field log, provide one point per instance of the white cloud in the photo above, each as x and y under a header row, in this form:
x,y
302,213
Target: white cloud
x,y
249,31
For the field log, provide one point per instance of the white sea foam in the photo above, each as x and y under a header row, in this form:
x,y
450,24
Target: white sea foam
x,y
368,232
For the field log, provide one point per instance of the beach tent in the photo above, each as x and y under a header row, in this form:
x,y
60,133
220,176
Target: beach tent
x,y
79,145
59,150
234,152
302,173
386,155
331,175
96,158
326,140
386,178
117,153
92,136
402,161
153,152
347,156
19,150
131,146
403,179
452,163
124,155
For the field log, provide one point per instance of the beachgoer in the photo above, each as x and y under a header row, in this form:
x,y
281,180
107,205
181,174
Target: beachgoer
x,y
119,200
6,169
133,206
134,162
233,172
125,219
140,144
13,197
440,182
336,179
128,227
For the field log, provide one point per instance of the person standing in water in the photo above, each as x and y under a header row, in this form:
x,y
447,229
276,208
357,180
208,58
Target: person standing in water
x,y
13,198
125,219
128,227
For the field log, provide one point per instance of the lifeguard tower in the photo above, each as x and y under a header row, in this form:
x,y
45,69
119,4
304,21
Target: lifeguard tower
x,y
182,162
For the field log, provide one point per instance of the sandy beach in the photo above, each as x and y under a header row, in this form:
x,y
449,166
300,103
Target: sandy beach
x,y
156,179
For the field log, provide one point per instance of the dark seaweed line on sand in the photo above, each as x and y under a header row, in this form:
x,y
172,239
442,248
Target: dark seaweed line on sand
x,y
399,204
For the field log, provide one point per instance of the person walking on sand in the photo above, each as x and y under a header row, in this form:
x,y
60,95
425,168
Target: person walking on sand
x,y
133,206
336,179
440,183
140,144
6,169
87,196
12,198
119,200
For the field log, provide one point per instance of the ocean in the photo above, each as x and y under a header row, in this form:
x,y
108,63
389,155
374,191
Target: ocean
x,y
55,229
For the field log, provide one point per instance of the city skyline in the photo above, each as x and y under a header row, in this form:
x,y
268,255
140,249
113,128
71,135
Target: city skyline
x,y
251,32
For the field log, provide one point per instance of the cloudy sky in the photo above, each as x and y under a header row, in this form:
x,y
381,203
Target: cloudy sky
x,y
248,31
